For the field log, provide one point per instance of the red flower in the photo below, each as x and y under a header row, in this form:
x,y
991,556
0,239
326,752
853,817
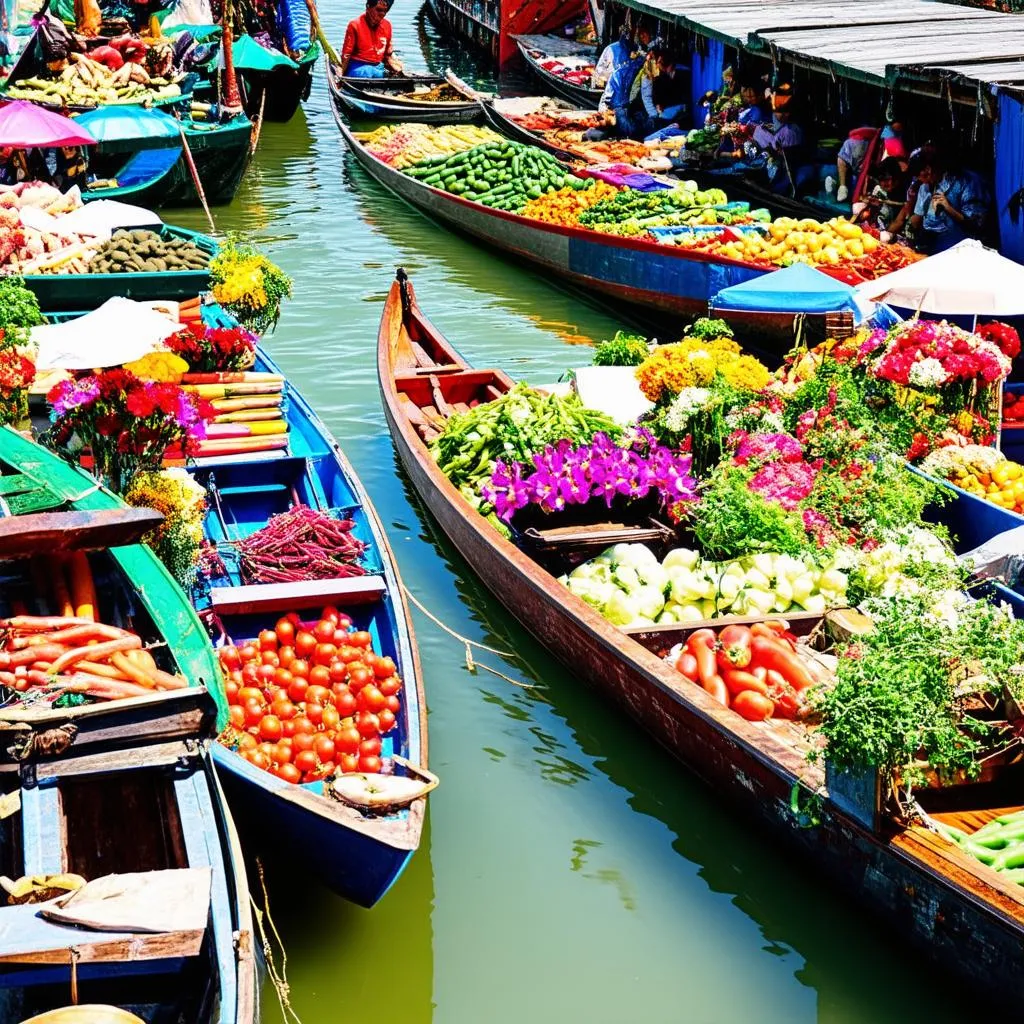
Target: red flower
x,y
108,424
140,404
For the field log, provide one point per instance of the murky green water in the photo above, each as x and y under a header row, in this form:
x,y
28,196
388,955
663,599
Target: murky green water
x,y
571,871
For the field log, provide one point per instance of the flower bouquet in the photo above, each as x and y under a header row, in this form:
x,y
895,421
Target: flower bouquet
x,y
17,371
126,424
249,286
214,349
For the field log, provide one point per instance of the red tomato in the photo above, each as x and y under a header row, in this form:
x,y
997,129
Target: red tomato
x,y
340,637
370,747
231,691
347,739
230,658
324,631
289,773
246,742
320,675
318,694
387,721
271,728
338,671
284,709
349,762
249,670
754,707
314,712
345,702
394,705
249,652
259,760
267,747
270,658
268,640
330,614
265,674
286,655
248,693
303,725
285,631
288,725
297,690
325,653
370,765
347,653
305,761
324,748
360,639
282,754
236,716
282,678
294,618
305,643
303,741
390,686
299,668
330,720
370,698
358,676
367,724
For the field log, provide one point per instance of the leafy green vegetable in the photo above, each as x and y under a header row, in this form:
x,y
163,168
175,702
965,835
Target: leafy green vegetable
x,y
623,350
707,328
19,306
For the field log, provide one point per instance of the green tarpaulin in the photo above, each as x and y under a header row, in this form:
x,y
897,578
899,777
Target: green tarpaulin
x,y
250,56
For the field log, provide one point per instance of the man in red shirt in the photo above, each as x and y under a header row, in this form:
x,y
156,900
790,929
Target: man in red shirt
x,y
367,51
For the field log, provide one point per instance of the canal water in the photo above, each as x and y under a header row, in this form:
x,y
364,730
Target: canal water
x,y
570,870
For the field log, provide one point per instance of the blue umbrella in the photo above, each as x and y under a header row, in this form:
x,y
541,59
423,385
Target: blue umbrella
x,y
144,129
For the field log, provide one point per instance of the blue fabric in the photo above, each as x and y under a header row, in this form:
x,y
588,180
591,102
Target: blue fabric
x,y
119,124
295,24
620,82
666,133
706,75
356,69
796,289
148,166
1010,175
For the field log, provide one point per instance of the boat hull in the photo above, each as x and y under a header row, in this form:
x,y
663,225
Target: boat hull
x,y
507,127
221,158
933,893
467,25
660,278
581,96
285,89
360,104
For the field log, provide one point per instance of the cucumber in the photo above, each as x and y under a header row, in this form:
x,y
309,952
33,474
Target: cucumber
x,y
434,179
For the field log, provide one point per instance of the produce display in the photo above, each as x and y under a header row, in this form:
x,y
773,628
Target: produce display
x,y
760,671
981,471
308,700
141,252
502,175
649,209
688,588
69,659
565,205
300,544
100,78
999,844
1013,408
403,145
575,69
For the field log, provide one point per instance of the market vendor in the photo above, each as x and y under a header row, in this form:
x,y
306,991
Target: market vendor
x,y
16,166
367,51
750,114
614,53
952,204
67,167
618,92
665,93
882,204
776,144
850,162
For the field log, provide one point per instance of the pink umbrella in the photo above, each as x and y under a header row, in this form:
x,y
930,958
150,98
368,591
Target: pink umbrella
x,y
24,125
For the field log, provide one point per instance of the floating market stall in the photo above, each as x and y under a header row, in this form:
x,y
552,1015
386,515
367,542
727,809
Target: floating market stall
x,y
272,83
446,100
562,66
819,726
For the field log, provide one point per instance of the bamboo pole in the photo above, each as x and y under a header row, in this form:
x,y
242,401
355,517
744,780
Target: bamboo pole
x,y
232,101
325,44
258,126
193,170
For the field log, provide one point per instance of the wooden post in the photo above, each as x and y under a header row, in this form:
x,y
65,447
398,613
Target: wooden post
x,y
232,101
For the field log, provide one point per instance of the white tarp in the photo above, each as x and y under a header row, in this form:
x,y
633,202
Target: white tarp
x,y
118,332
613,390
967,280
105,216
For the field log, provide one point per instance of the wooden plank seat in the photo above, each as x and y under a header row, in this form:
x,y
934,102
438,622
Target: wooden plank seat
x,y
274,597
94,530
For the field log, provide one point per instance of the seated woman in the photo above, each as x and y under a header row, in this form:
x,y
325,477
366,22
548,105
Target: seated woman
x,y
775,145
952,202
883,203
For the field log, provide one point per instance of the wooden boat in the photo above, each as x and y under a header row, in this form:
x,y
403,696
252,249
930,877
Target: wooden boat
x,y
663,278
537,49
965,916
276,94
120,787
365,98
495,112
476,22
87,291
358,855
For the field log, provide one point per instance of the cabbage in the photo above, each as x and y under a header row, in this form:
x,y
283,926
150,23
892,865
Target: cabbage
x,y
760,602
626,578
620,609
834,580
685,586
815,603
683,558
758,580
653,575
803,587
594,592
650,601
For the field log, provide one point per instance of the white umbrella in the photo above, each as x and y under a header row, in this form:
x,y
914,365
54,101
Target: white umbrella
x,y
966,280
118,332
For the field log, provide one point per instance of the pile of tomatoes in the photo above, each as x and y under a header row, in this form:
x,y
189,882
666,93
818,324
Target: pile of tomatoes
x,y
1013,408
307,701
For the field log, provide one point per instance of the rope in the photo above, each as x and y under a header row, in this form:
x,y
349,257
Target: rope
x,y
49,743
471,664
279,979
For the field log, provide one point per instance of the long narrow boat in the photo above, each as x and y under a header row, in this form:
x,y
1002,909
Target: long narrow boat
x,y
538,49
668,279
275,94
358,855
476,21
122,787
964,915
368,99
500,121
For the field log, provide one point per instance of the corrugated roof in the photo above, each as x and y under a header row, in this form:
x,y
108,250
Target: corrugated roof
x,y
862,39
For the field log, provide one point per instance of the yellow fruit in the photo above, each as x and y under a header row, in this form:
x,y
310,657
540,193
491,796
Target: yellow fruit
x,y
870,243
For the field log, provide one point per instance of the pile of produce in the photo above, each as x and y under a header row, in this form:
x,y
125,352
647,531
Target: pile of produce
x,y
836,243
622,350
86,82
981,471
301,544
577,120
403,145
631,204
611,151
140,252
999,844
65,659
564,206
576,70
689,588
308,701
503,175
19,313
1013,408
249,285
760,671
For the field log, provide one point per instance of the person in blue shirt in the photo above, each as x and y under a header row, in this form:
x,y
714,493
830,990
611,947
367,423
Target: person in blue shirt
x,y
628,61
951,204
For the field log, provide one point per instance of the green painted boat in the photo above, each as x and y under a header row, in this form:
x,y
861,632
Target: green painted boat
x,y
275,85
88,291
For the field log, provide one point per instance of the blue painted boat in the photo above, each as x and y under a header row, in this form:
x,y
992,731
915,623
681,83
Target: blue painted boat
x,y
132,791
396,100
664,278
358,855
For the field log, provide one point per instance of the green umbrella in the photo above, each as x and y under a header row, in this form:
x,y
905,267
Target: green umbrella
x,y
250,56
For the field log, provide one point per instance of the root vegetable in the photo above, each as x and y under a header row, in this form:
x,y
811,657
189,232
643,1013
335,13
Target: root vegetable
x,y
95,651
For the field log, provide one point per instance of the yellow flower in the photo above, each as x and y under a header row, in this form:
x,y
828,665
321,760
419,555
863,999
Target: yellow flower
x,y
665,372
159,366
745,373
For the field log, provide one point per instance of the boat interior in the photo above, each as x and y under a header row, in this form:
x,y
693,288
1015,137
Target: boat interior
x,y
120,173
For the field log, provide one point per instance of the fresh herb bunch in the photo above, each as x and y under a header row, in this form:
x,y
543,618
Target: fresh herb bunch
x,y
895,702
705,328
19,307
623,350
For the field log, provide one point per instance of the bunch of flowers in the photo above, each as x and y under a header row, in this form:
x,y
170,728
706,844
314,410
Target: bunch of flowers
x,y
126,424
564,474
17,371
249,286
694,362
178,539
1002,335
159,366
214,349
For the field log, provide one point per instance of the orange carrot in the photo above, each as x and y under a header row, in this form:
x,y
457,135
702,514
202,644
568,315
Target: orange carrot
x,y
61,593
95,652
132,670
104,671
83,590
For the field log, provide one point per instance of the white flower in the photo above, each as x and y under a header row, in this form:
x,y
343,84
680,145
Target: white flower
x,y
685,404
928,373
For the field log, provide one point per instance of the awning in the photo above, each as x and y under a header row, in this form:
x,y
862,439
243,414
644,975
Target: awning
x,y
131,124
795,289
250,56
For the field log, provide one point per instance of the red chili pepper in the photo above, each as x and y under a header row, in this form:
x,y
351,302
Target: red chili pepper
x,y
736,681
707,667
774,656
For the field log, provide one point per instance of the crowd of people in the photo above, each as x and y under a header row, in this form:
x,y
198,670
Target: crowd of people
x,y
63,167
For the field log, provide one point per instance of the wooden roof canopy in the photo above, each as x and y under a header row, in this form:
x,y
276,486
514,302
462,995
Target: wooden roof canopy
x,y
918,44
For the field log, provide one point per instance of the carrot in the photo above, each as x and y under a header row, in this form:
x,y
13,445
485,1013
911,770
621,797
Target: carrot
x,y
40,623
83,590
95,652
61,593
165,681
104,671
132,671
143,659
41,652
108,689
87,631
